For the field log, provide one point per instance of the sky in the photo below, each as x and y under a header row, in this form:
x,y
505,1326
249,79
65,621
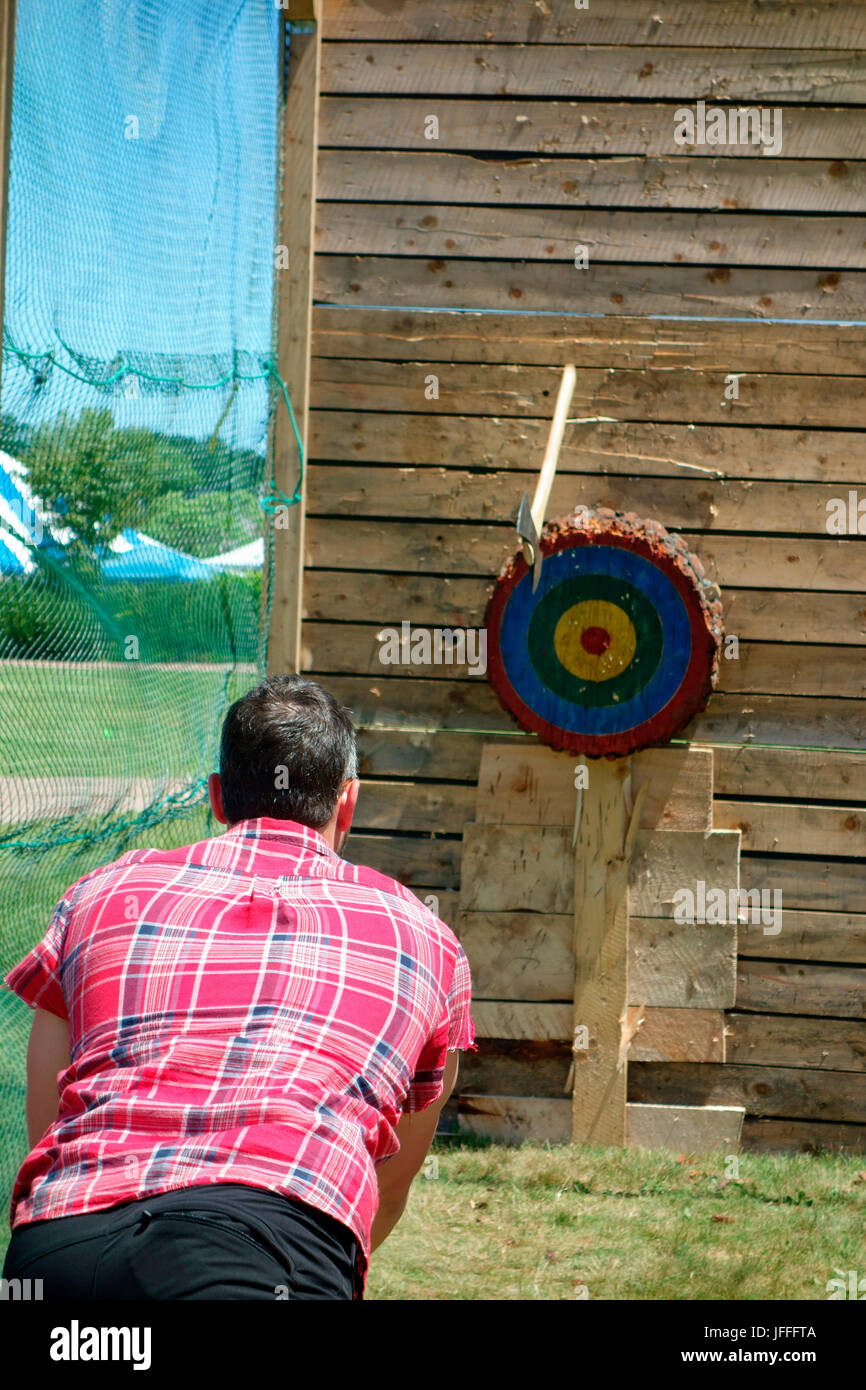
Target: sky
x,y
141,202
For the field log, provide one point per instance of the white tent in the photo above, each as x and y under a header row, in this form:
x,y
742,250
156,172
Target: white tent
x,y
244,557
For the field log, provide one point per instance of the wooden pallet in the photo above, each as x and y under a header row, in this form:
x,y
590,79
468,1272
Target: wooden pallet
x,y
579,946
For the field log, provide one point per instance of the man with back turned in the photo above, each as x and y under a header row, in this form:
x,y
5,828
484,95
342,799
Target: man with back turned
x,y
251,1038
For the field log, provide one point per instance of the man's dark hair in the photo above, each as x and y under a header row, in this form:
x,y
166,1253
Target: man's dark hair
x,y
286,751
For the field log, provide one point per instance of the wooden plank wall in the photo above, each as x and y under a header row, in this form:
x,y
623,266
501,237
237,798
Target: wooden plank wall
x,y
453,258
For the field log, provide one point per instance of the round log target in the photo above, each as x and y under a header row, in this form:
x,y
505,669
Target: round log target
x,y
617,649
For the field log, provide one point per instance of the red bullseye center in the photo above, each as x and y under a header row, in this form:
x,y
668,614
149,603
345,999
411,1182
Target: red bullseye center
x,y
595,640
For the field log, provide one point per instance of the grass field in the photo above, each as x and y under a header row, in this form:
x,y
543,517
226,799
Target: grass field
x,y
544,1223
63,720
541,1222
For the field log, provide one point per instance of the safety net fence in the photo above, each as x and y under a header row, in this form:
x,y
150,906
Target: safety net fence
x,y
139,390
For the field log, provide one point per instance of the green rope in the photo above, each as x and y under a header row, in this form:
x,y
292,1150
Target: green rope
x,y
165,807
277,497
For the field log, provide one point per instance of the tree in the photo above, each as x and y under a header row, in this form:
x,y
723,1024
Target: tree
x,y
87,484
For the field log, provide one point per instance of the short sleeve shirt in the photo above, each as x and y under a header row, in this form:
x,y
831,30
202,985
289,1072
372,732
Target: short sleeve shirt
x,y
248,1009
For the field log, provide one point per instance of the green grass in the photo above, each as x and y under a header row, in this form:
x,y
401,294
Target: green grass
x,y
133,720
538,1222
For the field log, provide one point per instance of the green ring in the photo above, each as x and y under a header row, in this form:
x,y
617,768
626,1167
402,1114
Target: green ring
x,y
619,688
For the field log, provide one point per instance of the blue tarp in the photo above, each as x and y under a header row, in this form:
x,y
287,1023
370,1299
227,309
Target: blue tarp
x,y
136,556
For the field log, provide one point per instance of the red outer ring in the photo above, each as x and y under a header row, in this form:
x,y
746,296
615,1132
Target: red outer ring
x,y
688,700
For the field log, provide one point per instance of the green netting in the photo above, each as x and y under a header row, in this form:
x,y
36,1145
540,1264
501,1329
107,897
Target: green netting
x,y
138,398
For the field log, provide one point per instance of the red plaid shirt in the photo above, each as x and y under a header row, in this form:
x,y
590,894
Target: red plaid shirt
x,y
249,1009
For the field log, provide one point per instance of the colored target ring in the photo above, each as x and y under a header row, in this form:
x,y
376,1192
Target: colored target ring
x,y
618,647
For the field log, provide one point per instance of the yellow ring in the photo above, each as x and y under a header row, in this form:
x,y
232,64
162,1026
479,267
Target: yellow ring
x,y
573,656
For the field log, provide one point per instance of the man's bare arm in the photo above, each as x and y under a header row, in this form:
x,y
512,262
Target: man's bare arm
x,y
415,1133
47,1055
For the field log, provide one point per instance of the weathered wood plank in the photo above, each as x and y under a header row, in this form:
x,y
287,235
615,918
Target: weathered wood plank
x,y
762,184
520,956
507,1019
809,773
580,127
536,1119
807,885
664,1035
823,24
789,1092
690,501
679,1035
769,668
801,1136
362,544
294,294
653,449
709,292
600,945
749,772
507,1066
551,234
824,936
685,1128
666,861
794,829
608,341
427,806
416,703
780,1041
570,70
509,868
528,956
753,614
793,987
415,860
682,966
515,1119
670,394
535,786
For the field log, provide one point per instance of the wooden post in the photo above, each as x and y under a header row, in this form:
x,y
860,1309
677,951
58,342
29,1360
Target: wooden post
x,y
294,290
601,957
7,68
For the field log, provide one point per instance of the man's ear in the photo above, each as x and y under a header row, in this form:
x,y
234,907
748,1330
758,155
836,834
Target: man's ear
x,y
215,792
346,808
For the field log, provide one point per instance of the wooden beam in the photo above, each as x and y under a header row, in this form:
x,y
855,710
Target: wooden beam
x,y
530,784
527,957
508,868
7,68
637,449
492,69
600,944
294,292
762,184
793,1093
685,1128
825,24
572,128
755,292
304,10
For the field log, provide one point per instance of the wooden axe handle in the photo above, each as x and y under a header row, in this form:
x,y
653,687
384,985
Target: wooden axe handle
x,y
554,442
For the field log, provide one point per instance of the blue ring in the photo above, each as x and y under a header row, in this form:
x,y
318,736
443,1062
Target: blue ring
x,y
618,563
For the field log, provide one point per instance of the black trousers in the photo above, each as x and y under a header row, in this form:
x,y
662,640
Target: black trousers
x,y
226,1241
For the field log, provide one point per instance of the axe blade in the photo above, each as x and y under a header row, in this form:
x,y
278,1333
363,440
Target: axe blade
x,y
529,540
